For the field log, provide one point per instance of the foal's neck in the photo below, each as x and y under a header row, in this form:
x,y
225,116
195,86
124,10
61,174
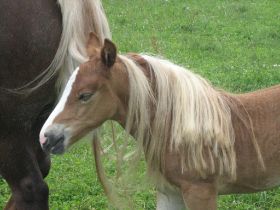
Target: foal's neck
x,y
121,116
141,62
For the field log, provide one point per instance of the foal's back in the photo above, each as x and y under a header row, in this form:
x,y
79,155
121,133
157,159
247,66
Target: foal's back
x,y
263,107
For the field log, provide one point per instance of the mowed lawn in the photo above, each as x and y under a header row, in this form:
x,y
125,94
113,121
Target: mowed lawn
x,y
233,43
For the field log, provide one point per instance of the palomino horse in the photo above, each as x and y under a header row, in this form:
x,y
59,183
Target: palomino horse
x,y
198,141
40,41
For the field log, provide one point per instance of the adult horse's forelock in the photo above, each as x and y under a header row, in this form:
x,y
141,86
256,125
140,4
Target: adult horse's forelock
x,y
79,18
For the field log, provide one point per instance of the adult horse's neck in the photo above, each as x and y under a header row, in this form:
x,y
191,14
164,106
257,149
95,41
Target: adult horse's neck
x,y
21,44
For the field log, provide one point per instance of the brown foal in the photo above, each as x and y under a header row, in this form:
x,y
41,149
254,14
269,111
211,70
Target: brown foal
x,y
200,141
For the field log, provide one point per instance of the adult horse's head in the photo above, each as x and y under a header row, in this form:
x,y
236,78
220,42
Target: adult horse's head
x,y
91,96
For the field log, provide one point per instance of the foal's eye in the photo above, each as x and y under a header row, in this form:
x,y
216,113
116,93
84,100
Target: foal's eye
x,y
84,97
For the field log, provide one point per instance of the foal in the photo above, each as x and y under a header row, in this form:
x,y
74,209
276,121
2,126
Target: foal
x,y
198,142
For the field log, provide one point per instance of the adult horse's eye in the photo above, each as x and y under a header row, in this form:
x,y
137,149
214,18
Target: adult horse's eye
x,y
84,97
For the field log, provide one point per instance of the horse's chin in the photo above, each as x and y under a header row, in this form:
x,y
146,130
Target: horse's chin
x,y
58,150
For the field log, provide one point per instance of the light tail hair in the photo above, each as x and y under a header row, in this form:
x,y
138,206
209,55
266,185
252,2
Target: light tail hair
x,y
117,188
106,185
79,18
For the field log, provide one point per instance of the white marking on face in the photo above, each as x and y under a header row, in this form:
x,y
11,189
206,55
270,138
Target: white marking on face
x,y
60,106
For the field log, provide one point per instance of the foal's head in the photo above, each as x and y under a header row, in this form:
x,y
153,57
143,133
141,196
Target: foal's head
x,y
93,94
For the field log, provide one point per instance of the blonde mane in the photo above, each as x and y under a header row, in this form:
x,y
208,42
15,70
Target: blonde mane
x,y
79,18
178,111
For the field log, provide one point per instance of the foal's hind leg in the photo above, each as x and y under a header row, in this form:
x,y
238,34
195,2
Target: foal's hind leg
x,y
199,195
170,200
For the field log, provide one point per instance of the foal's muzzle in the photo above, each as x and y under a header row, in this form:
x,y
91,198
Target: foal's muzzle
x,y
54,141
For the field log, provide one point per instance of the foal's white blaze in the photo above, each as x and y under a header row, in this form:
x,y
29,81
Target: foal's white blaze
x,y
59,107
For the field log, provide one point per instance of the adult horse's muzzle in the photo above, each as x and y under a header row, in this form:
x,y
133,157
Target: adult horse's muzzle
x,y
54,139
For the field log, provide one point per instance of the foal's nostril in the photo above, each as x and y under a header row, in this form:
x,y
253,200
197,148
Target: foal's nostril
x,y
46,142
51,137
53,141
46,145
49,142
48,134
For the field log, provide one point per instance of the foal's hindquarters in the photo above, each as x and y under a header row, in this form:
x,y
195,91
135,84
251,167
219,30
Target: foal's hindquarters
x,y
263,107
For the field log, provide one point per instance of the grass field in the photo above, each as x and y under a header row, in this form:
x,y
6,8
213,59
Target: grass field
x,y
233,43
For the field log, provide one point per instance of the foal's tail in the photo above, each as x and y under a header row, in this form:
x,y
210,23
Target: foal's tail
x,y
79,18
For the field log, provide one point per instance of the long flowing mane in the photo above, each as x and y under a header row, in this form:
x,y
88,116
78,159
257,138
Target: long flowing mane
x,y
79,18
177,110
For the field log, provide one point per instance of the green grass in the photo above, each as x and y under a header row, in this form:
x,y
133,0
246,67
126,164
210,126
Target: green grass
x,y
233,43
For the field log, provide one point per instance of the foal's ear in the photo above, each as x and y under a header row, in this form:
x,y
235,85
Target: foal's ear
x,y
108,53
93,44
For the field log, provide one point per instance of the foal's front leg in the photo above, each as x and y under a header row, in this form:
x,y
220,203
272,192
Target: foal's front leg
x,y
169,200
200,195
